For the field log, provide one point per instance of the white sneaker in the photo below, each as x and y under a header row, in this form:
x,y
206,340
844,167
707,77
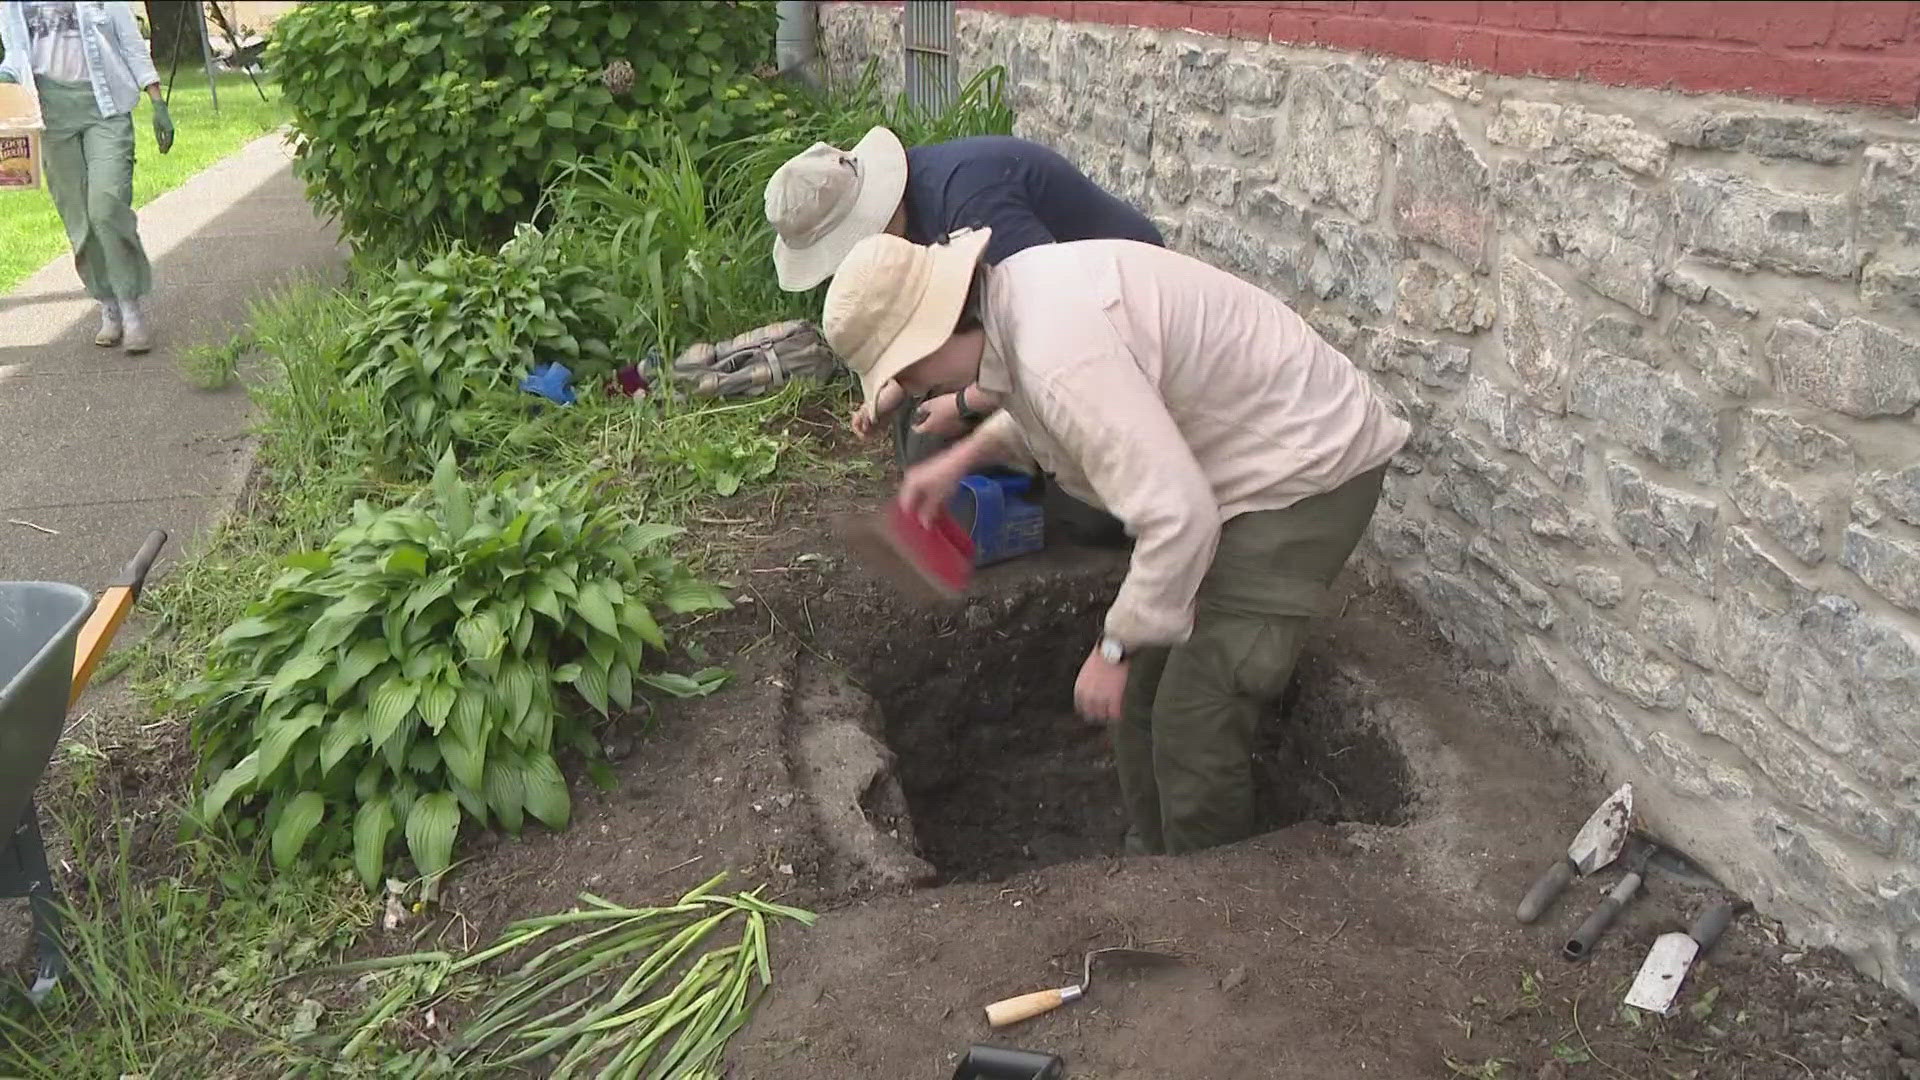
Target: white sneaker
x,y
138,339
109,334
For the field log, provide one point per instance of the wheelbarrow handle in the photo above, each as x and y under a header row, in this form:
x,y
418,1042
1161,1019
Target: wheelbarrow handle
x,y
109,613
133,576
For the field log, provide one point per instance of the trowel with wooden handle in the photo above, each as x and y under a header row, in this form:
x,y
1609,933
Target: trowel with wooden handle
x,y
1015,1009
1596,844
1672,957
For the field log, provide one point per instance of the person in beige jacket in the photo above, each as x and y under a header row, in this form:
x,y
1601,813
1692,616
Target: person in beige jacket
x,y
1243,452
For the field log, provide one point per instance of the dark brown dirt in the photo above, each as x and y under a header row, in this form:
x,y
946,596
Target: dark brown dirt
x,y
1372,938
1384,946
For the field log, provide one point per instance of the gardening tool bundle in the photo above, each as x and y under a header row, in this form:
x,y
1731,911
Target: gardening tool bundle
x,y
1598,844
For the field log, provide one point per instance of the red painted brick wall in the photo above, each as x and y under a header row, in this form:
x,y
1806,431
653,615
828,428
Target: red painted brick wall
x,y
1842,51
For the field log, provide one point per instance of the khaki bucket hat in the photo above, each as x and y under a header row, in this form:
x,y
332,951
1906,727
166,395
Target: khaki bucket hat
x,y
825,200
894,301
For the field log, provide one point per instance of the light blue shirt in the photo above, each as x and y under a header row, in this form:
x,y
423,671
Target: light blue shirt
x,y
118,62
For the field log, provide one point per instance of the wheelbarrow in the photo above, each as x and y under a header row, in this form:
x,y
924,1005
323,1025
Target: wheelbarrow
x,y
51,637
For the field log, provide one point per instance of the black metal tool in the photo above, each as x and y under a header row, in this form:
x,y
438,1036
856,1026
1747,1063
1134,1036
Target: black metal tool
x,y
1004,1063
1581,943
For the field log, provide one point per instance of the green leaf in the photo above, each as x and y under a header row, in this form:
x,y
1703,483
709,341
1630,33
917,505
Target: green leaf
x,y
641,538
432,824
560,582
248,630
372,824
317,562
436,701
390,704
356,663
298,670
339,736
506,791
546,791
541,598
620,684
406,559
700,684
516,690
282,733
592,685
687,595
635,617
297,821
456,504
467,762
593,606
479,634
559,118
240,775
469,717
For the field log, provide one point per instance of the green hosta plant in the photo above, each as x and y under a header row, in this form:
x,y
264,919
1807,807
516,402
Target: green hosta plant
x,y
408,675
445,337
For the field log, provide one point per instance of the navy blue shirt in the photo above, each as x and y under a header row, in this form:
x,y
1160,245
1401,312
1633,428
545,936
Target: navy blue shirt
x,y
1026,193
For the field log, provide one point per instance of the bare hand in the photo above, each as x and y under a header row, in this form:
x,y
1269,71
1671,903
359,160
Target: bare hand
x,y
1100,689
929,485
867,418
941,416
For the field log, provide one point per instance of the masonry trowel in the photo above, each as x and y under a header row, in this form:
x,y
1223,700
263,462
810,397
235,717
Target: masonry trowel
x,y
1596,844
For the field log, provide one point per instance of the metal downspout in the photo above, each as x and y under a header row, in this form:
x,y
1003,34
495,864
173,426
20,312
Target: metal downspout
x,y
794,51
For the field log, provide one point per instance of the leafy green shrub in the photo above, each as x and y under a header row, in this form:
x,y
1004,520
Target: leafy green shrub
x,y
465,327
418,120
406,674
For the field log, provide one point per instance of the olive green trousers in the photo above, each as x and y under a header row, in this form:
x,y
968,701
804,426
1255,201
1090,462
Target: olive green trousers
x,y
1184,743
89,166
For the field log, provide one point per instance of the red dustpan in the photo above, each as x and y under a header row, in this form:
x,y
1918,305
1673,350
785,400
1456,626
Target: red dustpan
x,y
931,564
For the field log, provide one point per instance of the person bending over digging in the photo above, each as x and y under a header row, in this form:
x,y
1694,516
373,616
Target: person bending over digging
x,y
1243,452
825,200
87,64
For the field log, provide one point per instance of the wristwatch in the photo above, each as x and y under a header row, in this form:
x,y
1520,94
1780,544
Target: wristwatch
x,y
1112,651
967,413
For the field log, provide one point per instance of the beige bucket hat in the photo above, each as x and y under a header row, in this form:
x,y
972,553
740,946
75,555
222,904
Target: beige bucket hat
x,y
825,200
895,301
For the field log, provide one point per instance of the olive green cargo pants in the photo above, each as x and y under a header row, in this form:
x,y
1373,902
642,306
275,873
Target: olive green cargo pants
x,y
1184,744
90,176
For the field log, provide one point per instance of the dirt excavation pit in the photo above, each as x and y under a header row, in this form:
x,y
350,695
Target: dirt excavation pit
x,y
973,759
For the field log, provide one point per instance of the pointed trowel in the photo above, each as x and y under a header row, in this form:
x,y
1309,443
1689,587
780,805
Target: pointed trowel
x,y
1596,844
1672,956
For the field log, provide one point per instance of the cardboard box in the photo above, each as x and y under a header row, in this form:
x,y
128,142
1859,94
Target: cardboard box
x,y
20,129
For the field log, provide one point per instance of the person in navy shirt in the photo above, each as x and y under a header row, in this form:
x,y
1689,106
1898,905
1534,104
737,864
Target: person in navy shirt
x,y
825,200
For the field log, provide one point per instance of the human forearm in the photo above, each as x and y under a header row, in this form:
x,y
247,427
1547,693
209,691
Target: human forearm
x,y
134,49
997,441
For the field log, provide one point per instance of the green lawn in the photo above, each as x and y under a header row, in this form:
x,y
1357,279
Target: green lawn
x,y
30,232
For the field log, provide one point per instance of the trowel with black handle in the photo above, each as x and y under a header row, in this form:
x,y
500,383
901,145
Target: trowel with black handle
x,y
1596,844
1672,956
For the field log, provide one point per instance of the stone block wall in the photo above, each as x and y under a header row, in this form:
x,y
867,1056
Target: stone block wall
x,y
1662,355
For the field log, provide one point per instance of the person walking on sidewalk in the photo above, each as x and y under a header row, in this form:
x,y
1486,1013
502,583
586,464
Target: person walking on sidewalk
x,y
1243,452
825,200
87,63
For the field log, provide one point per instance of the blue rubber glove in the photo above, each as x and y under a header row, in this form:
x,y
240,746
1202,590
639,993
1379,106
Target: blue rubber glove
x,y
162,126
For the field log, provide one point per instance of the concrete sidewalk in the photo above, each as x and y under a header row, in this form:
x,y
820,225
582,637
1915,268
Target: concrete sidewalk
x,y
100,446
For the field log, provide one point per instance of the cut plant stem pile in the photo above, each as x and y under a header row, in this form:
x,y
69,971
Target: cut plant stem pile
x,y
623,1028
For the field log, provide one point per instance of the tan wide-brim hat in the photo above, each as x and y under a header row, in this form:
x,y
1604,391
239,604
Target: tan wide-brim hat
x,y
894,301
825,200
